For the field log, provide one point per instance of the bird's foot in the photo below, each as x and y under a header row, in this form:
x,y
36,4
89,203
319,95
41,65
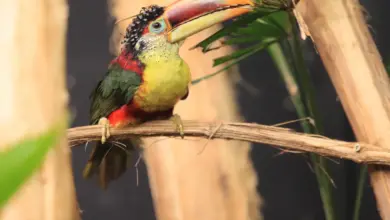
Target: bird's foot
x,y
176,119
105,130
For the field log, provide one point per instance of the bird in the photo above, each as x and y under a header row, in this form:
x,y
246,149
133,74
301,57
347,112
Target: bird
x,y
148,78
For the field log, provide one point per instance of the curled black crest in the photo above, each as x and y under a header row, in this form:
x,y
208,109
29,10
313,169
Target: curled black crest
x,y
134,30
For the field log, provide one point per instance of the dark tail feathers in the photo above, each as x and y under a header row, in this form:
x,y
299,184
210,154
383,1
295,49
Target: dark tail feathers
x,y
108,161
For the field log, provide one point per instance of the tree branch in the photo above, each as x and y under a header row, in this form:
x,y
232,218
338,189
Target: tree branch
x,y
256,133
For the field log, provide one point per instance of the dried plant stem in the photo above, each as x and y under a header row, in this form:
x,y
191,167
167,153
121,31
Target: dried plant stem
x,y
343,40
281,137
32,58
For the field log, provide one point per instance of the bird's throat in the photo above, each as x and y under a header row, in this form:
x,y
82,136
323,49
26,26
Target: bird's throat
x,y
165,79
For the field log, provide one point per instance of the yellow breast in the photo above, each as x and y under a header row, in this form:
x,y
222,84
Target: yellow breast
x,y
165,81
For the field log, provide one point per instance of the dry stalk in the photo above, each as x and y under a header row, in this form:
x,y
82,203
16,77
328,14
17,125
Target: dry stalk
x,y
33,98
342,38
256,133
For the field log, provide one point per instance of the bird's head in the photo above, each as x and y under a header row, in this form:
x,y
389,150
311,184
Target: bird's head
x,y
161,30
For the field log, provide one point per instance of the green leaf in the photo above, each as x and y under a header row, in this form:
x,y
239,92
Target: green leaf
x,y
255,26
239,53
236,54
360,192
275,25
235,58
281,20
261,31
241,40
238,23
20,161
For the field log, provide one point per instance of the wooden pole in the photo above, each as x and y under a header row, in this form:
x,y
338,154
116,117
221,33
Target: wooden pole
x,y
187,181
342,38
33,97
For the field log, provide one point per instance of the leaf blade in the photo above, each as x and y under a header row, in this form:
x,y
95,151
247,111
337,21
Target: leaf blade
x,y
236,24
20,161
234,62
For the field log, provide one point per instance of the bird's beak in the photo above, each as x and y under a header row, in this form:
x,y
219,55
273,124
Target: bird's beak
x,y
187,17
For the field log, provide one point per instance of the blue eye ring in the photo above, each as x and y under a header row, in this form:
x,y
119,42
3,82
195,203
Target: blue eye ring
x,y
157,26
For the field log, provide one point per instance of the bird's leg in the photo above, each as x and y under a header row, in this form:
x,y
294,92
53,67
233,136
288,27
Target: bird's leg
x,y
105,130
176,119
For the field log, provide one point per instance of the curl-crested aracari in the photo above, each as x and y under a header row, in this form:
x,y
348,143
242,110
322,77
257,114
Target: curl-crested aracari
x,y
148,77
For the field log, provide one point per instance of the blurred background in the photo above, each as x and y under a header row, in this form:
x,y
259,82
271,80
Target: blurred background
x,y
286,181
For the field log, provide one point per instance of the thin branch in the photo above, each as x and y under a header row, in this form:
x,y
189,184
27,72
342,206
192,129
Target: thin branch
x,y
256,133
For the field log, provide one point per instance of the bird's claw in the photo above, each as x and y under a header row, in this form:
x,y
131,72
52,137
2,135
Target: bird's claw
x,y
105,130
176,119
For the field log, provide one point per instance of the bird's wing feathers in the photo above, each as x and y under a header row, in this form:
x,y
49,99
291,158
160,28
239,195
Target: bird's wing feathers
x,y
115,90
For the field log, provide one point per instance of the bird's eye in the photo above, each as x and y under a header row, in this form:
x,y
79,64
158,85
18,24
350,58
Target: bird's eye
x,y
157,26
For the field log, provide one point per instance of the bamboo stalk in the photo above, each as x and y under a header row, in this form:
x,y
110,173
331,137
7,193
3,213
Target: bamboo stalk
x,y
218,184
351,58
33,98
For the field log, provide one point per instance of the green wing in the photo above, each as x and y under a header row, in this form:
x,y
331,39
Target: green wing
x,y
115,90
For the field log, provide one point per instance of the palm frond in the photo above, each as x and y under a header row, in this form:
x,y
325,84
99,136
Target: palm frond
x,y
258,29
